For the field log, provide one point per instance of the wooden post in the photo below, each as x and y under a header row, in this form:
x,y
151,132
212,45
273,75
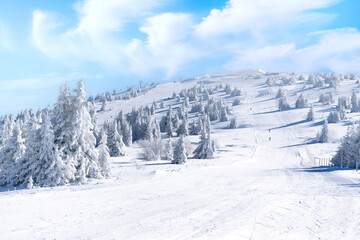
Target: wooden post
x,y
341,160
356,161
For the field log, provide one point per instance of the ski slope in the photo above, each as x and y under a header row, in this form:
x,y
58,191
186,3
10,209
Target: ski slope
x,y
256,188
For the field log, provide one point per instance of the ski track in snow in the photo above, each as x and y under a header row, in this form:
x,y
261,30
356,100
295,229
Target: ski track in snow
x,y
255,189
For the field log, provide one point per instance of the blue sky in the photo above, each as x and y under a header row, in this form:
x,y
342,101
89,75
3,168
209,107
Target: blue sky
x,y
115,43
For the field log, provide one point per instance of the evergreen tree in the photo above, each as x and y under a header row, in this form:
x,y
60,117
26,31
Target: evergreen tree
x,y
63,116
233,123
354,103
323,136
310,115
179,156
50,168
114,142
280,93
283,104
301,102
170,151
104,155
84,151
12,154
206,147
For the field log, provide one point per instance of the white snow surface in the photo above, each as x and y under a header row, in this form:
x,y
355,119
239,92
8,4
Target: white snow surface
x,y
254,189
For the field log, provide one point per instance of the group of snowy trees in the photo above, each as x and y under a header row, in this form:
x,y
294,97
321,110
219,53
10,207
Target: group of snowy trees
x,y
54,147
348,148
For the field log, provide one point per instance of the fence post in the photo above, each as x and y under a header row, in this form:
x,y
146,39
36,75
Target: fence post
x,y
356,161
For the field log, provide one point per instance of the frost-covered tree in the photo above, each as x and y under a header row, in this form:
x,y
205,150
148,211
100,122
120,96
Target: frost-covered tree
x,y
169,151
114,141
343,102
236,102
49,168
233,123
12,154
323,136
206,147
283,104
169,123
301,102
310,115
104,156
63,115
104,106
280,93
179,156
333,117
354,103
83,148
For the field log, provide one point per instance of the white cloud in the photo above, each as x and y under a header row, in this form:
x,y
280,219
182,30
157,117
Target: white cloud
x,y
167,45
255,15
253,33
336,50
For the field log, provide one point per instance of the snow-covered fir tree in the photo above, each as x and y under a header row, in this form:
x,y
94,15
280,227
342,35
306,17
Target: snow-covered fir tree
x,y
169,151
114,141
233,123
50,168
310,115
280,93
179,156
354,103
84,151
301,102
104,155
12,154
323,136
283,104
206,147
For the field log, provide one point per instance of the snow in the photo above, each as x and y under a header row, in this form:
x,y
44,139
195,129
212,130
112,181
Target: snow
x,y
254,188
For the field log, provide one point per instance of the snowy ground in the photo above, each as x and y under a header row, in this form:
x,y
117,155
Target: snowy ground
x,y
255,189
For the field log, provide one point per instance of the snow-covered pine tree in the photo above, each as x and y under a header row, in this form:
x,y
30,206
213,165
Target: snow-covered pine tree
x,y
104,105
49,169
84,151
170,151
354,103
114,141
179,156
323,136
236,102
104,155
169,123
310,115
283,104
63,115
333,117
280,93
301,102
233,123
12,154
206,147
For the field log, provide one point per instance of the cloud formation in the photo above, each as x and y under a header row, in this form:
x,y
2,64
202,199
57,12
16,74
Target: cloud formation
x,y
245,33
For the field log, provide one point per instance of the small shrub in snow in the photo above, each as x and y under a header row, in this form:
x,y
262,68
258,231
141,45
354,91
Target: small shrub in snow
x,y
151,150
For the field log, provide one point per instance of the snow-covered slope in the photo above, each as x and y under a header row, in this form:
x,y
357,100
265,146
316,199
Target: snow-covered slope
x,y
264,183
